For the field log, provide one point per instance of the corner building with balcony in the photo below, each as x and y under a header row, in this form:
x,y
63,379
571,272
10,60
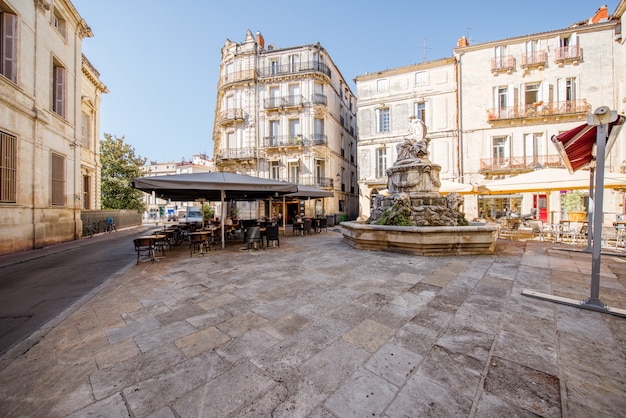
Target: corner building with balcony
x,y
516,93
49,123
288,114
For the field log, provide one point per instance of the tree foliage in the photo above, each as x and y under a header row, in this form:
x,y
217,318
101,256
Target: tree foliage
x,y
120,166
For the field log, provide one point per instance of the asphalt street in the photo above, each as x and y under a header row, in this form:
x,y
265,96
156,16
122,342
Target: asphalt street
x,y
37,285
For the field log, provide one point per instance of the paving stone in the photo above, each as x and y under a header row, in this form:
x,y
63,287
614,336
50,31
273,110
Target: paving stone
x,y
467,341
247,345
394,363
332,366
454,371
113,406
164,335
527,351
530,389
209,319
180,313
286,325
364,394
421,397
150,395
224,394
369,335
415,338
201,341
108,381
133,329
490,406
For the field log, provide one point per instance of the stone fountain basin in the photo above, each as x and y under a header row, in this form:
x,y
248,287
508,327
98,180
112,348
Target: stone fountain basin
x,y
422,240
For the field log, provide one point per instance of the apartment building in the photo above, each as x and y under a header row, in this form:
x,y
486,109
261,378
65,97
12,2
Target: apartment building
x,y
516,93
157,208
492,108
49,122
386,100
288,114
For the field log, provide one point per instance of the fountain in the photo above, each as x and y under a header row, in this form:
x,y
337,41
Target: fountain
x,y
414,217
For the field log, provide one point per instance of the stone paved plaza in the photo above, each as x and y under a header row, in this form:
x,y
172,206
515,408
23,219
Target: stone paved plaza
x,y
318,329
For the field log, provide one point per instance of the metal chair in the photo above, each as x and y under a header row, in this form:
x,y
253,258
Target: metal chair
x,y
253,237
197,244
323,224
306,227
144,247
271,234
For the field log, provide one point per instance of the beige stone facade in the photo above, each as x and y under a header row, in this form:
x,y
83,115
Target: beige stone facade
x,y
49,123
386,100
495,107
288,114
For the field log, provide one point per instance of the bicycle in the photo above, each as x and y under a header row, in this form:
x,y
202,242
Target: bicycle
x,y
110,226
90,230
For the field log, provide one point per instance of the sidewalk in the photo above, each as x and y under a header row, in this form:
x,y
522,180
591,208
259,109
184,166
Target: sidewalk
x,y
315,328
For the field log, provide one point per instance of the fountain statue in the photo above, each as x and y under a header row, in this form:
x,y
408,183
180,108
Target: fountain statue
x,y
413,184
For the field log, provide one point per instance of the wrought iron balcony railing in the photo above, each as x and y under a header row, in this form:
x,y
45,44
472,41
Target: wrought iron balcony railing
x,y
294,68
230,115
521,163
235,77
534,59
504,63
569,53
284,141
236,153
539,109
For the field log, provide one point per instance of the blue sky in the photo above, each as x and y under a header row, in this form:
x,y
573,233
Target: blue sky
x,y
160,59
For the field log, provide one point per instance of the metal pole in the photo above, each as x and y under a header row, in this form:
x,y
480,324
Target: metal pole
x,y
594,299
590,211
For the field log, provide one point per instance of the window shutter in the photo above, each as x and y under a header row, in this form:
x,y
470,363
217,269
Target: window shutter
x,y
59,90
8,45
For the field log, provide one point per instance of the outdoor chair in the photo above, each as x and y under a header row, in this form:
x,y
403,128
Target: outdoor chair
x,y
306,227
323,224
144,247
298,228
196,244
254,237
510,228
159,245
271,234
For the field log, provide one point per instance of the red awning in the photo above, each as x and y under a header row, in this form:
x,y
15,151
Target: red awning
x,y
576,145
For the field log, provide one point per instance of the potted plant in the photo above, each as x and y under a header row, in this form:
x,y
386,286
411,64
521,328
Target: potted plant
x,y
572,204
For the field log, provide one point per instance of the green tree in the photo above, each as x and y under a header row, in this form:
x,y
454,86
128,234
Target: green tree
x,y
120,166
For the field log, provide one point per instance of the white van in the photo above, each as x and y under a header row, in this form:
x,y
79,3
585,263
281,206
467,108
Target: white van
x,y
193,214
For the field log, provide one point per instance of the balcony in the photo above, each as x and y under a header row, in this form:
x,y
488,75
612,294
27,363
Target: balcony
x,y
230,115
295,68
320,182
319,139
235,77
519,164
284,141
539,110
319,99
236,154
295,100
536,59
503,64
572,54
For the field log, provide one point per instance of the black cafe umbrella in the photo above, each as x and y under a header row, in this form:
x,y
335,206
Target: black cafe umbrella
x,y
213,186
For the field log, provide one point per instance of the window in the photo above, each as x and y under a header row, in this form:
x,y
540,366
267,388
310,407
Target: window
x,y
59,23
294,63
274,132
421,78
85,130
381,162
318,131
382,119
58,89
8,168
294,131
294,172
319,172
531,94
275,170
58,180
86,192
420,111
274,67
8,45
534,149
500,151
